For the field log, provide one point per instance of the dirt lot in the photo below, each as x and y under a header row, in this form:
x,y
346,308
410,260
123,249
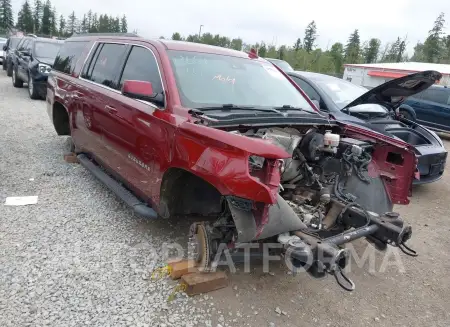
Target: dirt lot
x,y
76,258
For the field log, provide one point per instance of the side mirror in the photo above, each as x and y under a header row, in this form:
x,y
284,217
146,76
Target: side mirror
x,y
5,48
141,90
26,53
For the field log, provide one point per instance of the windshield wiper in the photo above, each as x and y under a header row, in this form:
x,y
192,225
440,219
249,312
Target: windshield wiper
x,y
231,107
286,107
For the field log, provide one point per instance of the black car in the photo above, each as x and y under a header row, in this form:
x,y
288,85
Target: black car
x,y
8,50
33,62
379,109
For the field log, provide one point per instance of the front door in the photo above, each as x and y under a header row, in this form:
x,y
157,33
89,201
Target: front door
x,y
134,131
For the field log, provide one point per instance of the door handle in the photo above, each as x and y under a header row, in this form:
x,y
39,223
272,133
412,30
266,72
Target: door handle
x,y
111,110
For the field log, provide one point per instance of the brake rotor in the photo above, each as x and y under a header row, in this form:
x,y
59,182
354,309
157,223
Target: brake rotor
x,y
202,251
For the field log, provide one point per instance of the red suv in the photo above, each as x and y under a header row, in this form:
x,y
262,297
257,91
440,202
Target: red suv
x,y
177,129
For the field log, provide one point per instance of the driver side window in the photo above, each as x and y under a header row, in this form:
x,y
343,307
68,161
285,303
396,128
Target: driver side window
x,y
308,89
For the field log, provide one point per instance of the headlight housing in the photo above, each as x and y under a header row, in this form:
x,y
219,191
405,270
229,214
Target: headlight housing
x,y
44,69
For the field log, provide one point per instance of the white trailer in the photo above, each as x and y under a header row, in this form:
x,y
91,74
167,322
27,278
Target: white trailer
x,y
371,75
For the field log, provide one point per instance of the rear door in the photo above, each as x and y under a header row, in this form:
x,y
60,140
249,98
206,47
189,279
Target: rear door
x,y
99,90
433,107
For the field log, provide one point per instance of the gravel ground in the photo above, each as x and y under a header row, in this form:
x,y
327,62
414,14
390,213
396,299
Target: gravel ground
x,y
79,257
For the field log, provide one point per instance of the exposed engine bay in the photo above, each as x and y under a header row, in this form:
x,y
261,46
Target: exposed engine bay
x,y
326,198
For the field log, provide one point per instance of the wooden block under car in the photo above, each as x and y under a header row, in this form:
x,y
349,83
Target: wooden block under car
x,y
180,268
198,283
70,158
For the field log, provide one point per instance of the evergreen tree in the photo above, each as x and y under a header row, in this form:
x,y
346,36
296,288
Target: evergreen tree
x,y
281,52
62,26
89,20
124,24
262,51
298,44
352,49
94,24
53,27
72,23
176,36
310,36
401,51
371,51
434,42
25,21
6,15
393,51
84,24
337,55
46,18
37,15
236,44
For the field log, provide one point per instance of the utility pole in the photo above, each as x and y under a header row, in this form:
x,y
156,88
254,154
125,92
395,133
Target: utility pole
x,y
200,32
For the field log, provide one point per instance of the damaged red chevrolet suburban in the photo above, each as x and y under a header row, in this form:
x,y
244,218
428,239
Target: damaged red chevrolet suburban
x,y
177,129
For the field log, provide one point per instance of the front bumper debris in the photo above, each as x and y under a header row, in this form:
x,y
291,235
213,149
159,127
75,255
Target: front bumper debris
x,y
321,255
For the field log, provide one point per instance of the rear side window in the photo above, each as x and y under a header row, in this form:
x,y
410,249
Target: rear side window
x,y
104,66
68,56
141,66
436,95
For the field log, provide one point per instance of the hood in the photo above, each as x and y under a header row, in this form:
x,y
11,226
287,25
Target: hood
x,y
396,91
47,61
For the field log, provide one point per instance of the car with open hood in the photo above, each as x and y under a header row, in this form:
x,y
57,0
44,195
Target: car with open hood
x,y
381,109
180,129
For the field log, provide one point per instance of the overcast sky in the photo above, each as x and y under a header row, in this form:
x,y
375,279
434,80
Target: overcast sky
x,y
279,22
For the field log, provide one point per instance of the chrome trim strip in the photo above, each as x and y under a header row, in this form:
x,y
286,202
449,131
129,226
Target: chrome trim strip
x,y
111,89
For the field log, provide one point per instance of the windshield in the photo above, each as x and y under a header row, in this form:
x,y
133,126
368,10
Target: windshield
x,y
340,91
46,49
205,79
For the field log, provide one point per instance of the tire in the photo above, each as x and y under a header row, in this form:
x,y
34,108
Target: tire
x,y
406,115
17,82
9,69
4,64
32,92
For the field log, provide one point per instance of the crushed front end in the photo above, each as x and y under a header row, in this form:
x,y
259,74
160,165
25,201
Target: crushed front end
x,y
338,185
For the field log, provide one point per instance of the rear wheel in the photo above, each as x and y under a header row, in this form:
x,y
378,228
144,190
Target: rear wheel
x,y
4,64
32,92
17,82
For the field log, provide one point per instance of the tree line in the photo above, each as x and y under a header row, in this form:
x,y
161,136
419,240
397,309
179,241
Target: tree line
x,y
305,55
41,18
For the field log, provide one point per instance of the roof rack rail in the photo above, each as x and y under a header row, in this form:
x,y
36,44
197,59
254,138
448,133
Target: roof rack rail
x,y
104,34
31,35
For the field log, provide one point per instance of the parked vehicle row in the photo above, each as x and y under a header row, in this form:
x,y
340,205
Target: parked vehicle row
x,y
177,128
29,60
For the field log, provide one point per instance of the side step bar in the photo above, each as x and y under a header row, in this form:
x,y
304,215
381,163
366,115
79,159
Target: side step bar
x,y
139,207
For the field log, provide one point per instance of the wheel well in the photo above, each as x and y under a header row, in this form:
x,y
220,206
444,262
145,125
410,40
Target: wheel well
x,y
183,193
61,119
